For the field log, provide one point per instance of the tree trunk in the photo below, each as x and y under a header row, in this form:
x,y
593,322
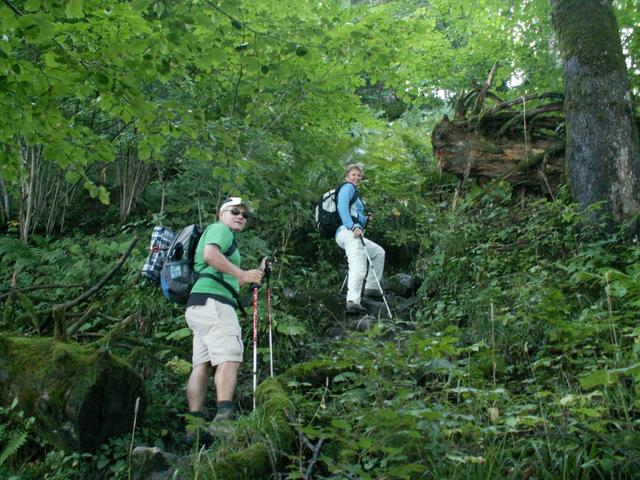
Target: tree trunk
x,y
6,212
41,205
132,177
536,163
79,397
603,156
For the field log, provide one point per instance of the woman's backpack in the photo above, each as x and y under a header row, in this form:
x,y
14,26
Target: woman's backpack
x,y
326,212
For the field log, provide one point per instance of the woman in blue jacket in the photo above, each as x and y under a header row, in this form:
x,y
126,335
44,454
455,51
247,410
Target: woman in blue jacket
x,y
349,237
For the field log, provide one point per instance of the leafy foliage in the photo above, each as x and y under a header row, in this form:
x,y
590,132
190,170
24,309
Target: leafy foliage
x,y
520,359
498,367
14,431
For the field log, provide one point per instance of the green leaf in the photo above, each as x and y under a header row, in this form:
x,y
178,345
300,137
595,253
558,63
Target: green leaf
x,y
179,334
16,439
74,9
144,151
345,376
598,378
340,424
28,306
72,176
291,328
164,67
103,195
32,5
618,289
102,79
630,370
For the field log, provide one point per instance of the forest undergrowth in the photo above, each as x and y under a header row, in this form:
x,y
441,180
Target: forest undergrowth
x,y
520,359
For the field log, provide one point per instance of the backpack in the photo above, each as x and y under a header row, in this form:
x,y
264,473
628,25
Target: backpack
x,y
177,275
326,212
161,240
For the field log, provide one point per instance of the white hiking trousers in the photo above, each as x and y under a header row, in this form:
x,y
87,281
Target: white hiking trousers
x,y
360,275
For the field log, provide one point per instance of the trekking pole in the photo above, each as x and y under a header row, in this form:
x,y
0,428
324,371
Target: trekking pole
x,y
344,282
375,275
267,272
255,342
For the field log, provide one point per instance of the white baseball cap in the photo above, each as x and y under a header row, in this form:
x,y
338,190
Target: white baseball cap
x,y
235,202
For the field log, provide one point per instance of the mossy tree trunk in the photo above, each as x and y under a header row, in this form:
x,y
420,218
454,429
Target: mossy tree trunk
x,y
79,397
602,150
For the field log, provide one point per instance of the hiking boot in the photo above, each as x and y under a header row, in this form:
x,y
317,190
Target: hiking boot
x,y
373,293
225,413
196,428
353,307
223,421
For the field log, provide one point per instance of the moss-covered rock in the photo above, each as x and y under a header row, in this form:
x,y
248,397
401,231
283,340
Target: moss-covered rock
x,y
80,397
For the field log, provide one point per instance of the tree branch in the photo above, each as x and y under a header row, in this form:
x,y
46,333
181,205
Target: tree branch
x,y
314,459
86,295
13,7
37,287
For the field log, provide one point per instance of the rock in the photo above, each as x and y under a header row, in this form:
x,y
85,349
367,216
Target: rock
x,y
406,304
151,463
362,323
80,397
401,284
376,308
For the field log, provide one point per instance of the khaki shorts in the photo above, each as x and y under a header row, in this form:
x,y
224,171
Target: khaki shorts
x,y
216,333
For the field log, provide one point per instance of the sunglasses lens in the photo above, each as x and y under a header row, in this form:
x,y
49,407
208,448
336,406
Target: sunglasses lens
x,y
235,211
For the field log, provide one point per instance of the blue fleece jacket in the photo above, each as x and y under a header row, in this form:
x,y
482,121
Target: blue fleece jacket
x,y
345,195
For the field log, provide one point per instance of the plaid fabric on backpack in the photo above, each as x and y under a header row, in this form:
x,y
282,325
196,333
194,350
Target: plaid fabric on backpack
x,y
161,240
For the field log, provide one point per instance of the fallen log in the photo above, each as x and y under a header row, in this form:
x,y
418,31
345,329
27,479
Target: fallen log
x,y
534,162
78,396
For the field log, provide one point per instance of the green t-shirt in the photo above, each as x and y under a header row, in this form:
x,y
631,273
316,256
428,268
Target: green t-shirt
x,y
221,235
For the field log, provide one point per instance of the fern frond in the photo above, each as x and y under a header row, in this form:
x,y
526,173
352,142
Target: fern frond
x,y
17,438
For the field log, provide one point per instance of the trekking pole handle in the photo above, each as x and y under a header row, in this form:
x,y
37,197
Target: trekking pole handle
x,y
268,264
267,274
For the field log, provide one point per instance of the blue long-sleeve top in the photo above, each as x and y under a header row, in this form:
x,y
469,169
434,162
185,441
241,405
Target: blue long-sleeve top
x,y
347,215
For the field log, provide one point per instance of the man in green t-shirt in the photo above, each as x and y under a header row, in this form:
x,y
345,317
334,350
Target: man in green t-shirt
x,y
211,315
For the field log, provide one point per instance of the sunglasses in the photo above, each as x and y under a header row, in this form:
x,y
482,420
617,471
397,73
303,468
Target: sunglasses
x,y
237,211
